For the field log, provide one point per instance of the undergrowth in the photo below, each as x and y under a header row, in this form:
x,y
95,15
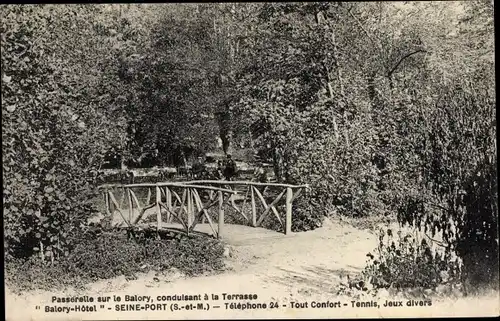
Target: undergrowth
x,y
113,254
403,261
403,264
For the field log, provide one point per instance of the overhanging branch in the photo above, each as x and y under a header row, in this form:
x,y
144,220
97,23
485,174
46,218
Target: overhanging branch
x,y
401,60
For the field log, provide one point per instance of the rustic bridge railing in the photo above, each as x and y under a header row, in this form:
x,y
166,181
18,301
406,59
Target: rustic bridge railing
x,y
188,203
251,193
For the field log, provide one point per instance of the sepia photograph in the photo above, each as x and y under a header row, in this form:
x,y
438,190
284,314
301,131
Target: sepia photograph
x,y
250,160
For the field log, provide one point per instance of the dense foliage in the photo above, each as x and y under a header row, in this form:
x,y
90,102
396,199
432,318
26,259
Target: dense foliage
x,y
403,261
56,126
383,108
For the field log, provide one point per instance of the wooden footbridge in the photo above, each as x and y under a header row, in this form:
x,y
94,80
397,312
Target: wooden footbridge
x,y
205,207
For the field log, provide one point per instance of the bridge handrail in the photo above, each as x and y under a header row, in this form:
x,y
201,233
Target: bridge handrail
x,y
168,185
191,183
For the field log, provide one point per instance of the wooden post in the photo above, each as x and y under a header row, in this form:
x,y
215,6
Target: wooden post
x,y
254,210
124,194
105,201
168,195
221,214
203,219
193,207
158,208
148,199
189,207
108,205
130,209
288,219
111,205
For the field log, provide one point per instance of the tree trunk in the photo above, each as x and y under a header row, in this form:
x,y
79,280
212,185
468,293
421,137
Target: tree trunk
x,y
278,162
225,132
340,81
226,142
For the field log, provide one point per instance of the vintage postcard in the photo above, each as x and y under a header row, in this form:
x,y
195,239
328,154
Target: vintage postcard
x,y
283,160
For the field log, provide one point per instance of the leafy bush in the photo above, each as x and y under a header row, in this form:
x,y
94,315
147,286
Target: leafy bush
x,y
454,181
306,214
54,131
110,254
402,262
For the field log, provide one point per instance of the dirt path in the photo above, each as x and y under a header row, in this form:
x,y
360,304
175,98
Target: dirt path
x,y
305,268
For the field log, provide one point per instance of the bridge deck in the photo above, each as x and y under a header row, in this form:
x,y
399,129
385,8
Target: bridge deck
x,y
237,235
